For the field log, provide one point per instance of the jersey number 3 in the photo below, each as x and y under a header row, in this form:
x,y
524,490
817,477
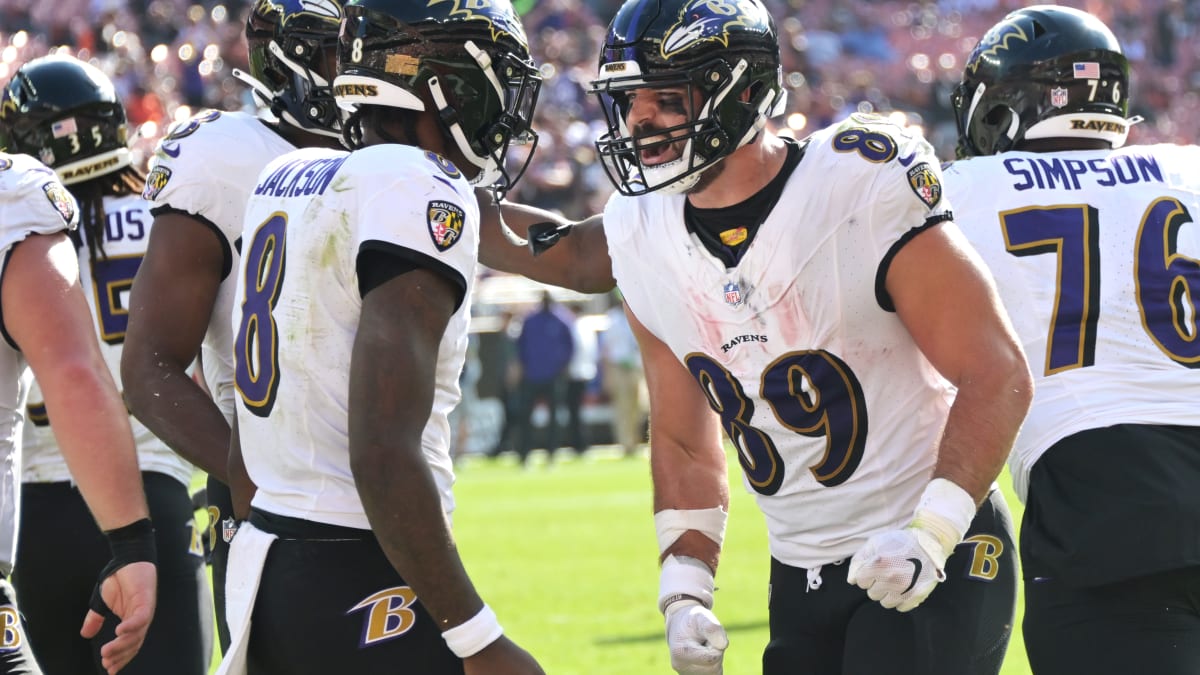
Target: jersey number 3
x,y
256,347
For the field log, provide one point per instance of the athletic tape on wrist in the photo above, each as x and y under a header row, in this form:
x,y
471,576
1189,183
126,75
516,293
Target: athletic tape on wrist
x,y
471,636
670,524
129,544
945,511
683,578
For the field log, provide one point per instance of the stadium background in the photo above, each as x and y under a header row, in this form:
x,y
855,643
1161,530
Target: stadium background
x,y
171,58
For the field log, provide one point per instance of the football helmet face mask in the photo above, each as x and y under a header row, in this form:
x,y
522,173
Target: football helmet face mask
x,y
471,62
1042,72
65,112
290,44
723,55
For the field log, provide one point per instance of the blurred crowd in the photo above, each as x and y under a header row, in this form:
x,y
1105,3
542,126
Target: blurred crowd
x,y
170,58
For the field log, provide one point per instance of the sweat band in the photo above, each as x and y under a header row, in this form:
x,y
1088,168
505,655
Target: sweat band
x,y
684,578
132,543
471,636
946,512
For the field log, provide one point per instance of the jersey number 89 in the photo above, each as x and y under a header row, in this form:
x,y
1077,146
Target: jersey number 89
x,y
813,393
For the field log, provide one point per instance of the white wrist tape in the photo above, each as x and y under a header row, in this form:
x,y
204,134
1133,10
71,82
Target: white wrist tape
x,y
946,512
471,636
670,524
684,578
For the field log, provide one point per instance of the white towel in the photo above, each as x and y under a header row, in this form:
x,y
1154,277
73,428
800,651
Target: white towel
x,y
247,554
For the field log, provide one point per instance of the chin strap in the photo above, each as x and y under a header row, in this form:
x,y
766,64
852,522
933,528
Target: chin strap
x,y
539,237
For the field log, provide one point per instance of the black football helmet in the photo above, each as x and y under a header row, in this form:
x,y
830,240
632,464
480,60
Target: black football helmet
x,y
471,60
65,112
1042,72
728,51
290,42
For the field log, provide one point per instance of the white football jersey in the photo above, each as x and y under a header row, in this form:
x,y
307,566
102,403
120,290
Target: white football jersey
x,y
835,413
32,201
206,167
298,308
106,283
1097,259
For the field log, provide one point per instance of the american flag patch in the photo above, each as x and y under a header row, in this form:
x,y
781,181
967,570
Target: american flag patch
x,y
64,128
1087,70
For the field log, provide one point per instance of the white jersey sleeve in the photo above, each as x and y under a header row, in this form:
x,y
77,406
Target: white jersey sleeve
x,y
388,217
315,211
32,201
1097,259
834,410
207,167
106,282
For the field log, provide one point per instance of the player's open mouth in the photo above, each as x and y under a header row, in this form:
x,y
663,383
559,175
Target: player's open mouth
x,y
657,150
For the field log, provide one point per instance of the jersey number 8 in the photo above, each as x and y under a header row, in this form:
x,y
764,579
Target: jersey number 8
x,y
256,347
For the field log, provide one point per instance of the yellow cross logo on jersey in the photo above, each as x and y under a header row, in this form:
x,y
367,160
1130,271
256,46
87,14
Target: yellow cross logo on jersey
x,y
389,614
445,223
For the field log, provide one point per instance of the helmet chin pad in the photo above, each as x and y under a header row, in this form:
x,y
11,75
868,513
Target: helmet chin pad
x,y
671,176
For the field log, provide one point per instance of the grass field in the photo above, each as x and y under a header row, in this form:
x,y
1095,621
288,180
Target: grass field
x,y
565,554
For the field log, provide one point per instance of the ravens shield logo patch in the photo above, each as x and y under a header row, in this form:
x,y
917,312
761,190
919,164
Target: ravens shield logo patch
x,y
62,201
155,182
445,223
925,184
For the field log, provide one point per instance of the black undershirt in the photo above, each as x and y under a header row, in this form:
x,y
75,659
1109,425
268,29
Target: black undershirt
x,y
708,224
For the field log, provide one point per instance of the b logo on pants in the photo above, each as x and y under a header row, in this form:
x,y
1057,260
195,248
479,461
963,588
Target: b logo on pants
x,y
985,556
389,614
11,621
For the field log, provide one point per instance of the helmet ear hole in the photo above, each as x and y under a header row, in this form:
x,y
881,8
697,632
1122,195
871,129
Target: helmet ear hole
x,y
997,117
1001,123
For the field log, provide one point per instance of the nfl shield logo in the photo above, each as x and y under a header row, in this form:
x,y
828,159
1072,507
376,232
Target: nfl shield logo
x,y
1058,97
228,529
733,294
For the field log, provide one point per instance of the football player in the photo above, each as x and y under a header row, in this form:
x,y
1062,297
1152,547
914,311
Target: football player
x,y
199,180
47,328
350,322
1097,256
66,112
815,301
